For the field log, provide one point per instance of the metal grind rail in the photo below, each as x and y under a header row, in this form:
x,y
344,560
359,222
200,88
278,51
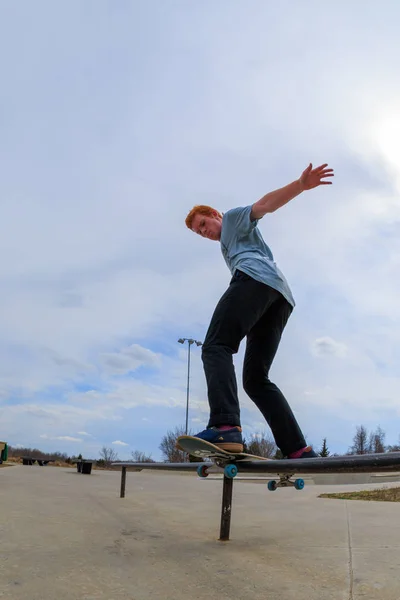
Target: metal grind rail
x,y
283,469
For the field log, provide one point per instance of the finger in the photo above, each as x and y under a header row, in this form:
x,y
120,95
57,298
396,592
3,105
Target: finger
x,y
326,182
327,174
321,169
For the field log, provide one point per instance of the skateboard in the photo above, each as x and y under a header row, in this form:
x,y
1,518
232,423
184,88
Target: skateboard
x,y
226,460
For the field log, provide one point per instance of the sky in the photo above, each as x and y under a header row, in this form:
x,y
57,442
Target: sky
x,y
116,118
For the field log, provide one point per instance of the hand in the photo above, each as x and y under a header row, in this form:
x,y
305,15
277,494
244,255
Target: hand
x,y
311,178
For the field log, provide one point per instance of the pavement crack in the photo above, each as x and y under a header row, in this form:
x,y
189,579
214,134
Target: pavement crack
x,y
351,570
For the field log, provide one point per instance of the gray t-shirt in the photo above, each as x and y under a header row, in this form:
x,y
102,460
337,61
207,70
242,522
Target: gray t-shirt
x,y
243,248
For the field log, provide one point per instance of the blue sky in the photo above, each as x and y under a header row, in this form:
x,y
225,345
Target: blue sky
x,y
116,118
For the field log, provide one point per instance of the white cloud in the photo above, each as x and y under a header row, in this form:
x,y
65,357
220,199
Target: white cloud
x,y
119,443
326,346
64,438
130,359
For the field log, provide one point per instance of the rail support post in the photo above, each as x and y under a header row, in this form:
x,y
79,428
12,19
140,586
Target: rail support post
x,y
226,509
123,482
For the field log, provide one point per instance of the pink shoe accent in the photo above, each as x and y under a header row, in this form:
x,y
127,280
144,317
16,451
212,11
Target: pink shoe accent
x,y
297,453
225,427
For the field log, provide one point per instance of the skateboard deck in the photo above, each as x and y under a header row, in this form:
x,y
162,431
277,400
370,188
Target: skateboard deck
x,y
202,449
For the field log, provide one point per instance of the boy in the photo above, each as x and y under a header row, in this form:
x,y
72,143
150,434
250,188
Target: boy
x,y
256,305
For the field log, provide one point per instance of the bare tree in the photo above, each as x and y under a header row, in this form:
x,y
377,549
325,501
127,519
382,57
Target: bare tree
x,y
377,441
141,457
17,452
262,445
108,455
168,446
360,442
395,447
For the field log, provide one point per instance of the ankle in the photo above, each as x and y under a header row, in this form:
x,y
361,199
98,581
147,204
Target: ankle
x,y
227,427
297,453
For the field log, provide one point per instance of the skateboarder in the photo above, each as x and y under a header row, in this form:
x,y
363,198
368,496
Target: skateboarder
x,y
256,305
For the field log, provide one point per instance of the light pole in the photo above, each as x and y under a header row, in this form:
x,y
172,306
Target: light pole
x,y
190,341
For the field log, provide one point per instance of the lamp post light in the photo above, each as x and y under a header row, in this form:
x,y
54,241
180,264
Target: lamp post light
x,y
190,341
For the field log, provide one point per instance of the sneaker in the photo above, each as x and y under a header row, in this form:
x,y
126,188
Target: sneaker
x,y
227,439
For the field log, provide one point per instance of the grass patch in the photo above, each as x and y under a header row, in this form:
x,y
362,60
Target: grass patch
x,y
380,495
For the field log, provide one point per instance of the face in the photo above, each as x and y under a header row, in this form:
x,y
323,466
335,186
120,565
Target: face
x,y
208,227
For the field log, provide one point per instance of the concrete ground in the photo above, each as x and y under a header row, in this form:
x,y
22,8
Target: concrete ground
x,y
68,536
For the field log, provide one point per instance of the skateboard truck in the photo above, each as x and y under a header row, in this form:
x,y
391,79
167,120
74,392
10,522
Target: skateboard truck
x,y
285,481
230,470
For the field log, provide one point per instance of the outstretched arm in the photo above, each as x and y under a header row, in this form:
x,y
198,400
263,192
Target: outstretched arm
x,y
310,178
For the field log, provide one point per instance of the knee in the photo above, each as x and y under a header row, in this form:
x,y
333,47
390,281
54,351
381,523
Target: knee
x,y
216,354
253,380
250,387
207,351
248,382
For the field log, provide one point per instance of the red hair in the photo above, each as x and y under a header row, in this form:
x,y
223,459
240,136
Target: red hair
x,y
200,209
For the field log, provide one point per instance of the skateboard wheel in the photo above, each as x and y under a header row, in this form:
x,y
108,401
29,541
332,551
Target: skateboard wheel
x,y
272,486
299,484
202,471
230,471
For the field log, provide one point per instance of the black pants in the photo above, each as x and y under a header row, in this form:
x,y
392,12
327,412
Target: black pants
x,y
249,309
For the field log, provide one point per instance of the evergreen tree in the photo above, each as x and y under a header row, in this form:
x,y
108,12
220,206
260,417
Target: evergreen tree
x,y
324,450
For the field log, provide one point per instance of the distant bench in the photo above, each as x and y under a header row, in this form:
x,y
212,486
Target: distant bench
x,y
30,460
